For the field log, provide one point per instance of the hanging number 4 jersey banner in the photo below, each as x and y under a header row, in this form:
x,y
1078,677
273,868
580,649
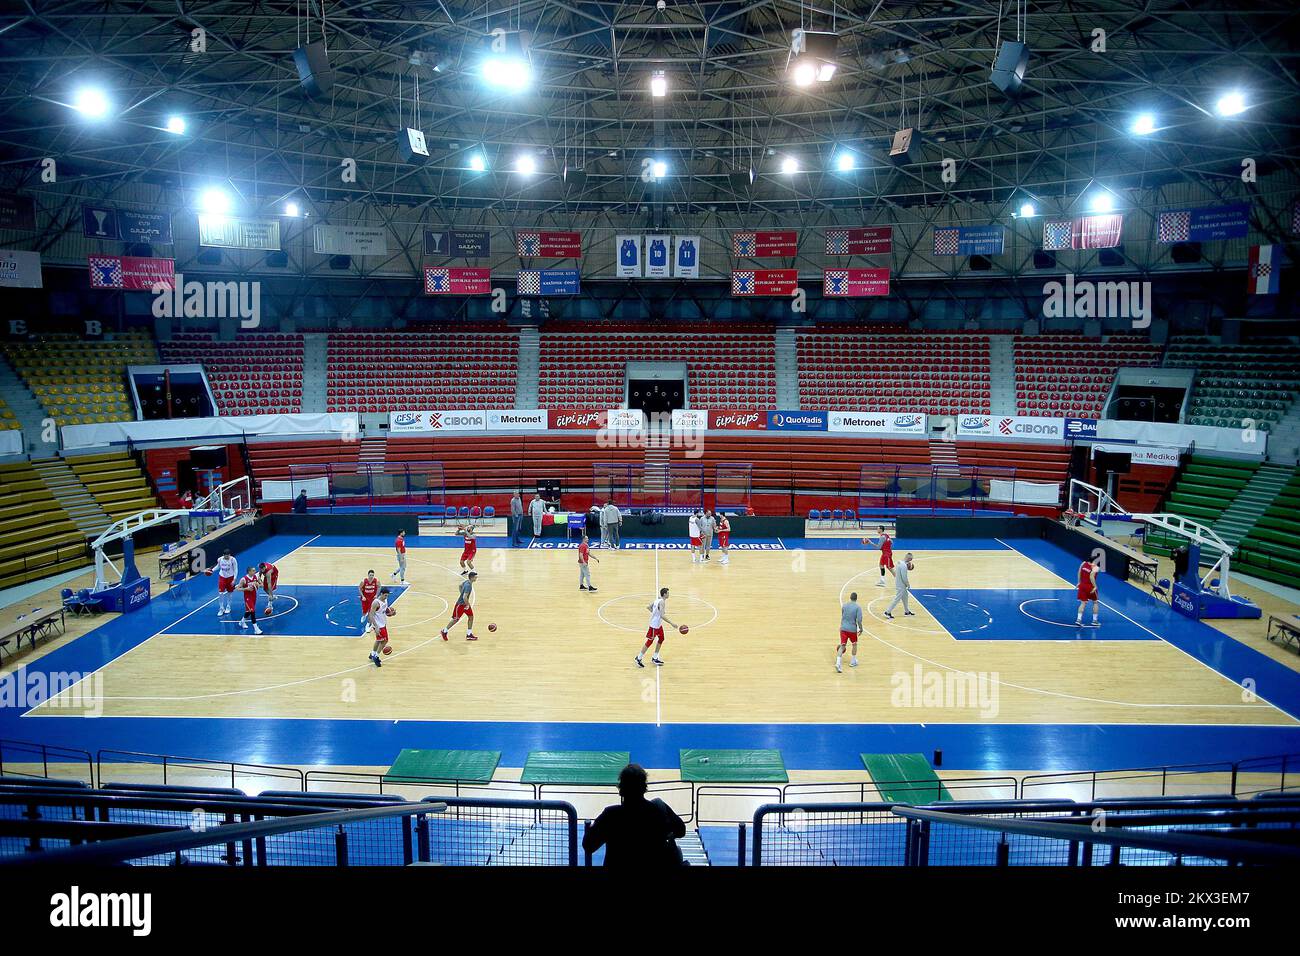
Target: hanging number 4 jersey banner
x,y
686,257
629,257
656,257
764,281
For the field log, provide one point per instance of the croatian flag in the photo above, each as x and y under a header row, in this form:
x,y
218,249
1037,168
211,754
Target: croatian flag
x,y
1264,269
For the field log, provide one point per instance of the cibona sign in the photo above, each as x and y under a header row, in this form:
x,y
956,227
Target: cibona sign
x,y
993,426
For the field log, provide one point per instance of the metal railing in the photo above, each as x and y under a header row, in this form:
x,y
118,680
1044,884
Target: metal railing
x,y
1211,777
156,828
26,753
171,765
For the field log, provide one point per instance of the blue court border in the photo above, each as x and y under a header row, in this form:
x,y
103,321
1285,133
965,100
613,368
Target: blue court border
x,y
977,746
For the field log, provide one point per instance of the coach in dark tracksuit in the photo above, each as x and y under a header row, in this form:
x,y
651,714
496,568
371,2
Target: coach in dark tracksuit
x,y
637,833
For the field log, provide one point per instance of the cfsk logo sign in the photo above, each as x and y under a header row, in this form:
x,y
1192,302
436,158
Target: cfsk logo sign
x,y
1005,426
407,418
435,419
975,421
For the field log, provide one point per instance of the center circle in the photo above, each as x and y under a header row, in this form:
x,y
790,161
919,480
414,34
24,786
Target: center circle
x,y
674,605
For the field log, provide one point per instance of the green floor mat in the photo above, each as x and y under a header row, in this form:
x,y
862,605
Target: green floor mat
x,y
476,766
733,766
582,768
905,778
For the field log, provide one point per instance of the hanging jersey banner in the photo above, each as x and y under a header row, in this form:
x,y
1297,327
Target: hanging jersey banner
x,y
656,257
686,257
629,256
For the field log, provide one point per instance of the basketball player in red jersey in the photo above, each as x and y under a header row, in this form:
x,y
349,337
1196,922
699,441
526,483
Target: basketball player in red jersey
x,y
724,538
249,584
400,547
270,581
1088,591
471,548
368,588
886,545
584,566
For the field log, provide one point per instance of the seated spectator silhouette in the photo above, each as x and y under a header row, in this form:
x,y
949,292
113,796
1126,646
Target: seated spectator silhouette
x,y
637,833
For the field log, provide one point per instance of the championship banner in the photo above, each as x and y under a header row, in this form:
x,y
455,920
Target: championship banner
x,y
448,280
1086,232
628,265
968,240
1265,270
458,243
656,256
577,418
437,421
734,419
548,282
764,282
534,243
1295,218
854,283
131,272
227,232
109,222
686,257
993,426
873,241
900,423
1205,224
20,270
349,240
17,212
764,245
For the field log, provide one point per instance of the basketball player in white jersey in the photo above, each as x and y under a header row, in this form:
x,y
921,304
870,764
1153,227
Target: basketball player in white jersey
x,y
227,569
655,632
695,529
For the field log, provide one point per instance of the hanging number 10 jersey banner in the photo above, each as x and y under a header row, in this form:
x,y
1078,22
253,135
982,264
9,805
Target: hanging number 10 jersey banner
x,y
656,256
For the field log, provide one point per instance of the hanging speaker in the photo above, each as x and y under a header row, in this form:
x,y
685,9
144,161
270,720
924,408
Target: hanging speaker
x,y
980,263
411,146
1009,68
1111,257
209,257
1044,259
340,262
900,148
741,180
575,178
314,71
1185,252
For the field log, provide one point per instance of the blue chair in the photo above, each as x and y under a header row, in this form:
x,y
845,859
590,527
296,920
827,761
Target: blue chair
x,y
838,517
464,511
489,512
814,516
1162,589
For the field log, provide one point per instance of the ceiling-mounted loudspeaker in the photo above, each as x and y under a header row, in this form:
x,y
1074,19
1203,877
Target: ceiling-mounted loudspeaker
x,y
411,146
980,263
277,260
1185,253
741,180
1044,259
900,149
575,178
314,71
209,257
1009,67
340,262
1111,257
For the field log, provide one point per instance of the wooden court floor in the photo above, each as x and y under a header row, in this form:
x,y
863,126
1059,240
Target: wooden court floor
x,y
760,649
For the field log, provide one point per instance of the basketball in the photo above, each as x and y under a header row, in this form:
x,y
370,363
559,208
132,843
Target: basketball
x,y
208,572
387,650
492,627
684,629
392,612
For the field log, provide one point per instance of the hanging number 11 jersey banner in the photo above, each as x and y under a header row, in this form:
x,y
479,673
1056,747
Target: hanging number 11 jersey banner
x,y
686,257
628,250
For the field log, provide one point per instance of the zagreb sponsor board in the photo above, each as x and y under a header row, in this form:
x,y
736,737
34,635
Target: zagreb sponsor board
x,y
903,423
625,419
732,419
690,419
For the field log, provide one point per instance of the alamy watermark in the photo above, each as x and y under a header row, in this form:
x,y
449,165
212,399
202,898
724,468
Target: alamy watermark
x,y
1085,299
947,690
209,300
67,690
654,430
